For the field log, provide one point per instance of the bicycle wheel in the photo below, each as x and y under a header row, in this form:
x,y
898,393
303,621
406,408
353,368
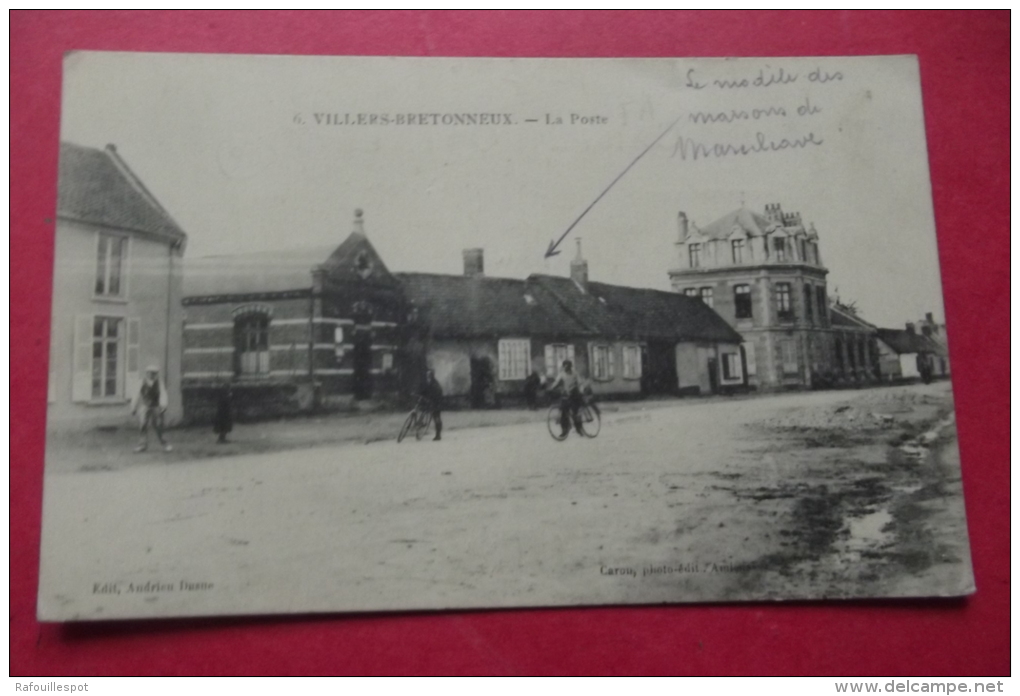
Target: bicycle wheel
x,y
553,421
591,421
422,426
407,425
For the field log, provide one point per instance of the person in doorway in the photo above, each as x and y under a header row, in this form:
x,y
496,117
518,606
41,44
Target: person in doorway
x,y
531,386
150,403
571,398
432,395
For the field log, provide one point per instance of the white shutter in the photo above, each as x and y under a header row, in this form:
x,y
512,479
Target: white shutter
x,y
133,368
81,367
611,353
550,359
752,365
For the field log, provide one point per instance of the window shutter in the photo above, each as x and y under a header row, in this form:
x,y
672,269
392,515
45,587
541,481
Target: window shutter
x,y
133,371
550,360
611,353
81,372
570,353
752,365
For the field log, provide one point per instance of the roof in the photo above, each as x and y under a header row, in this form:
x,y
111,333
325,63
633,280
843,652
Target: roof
x,y
238,274
902,341
753,224
463,306
354,260
750,222
97,187
841,317
639,313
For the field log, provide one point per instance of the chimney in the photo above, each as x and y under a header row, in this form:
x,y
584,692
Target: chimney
x,y
681,220
929,318
910,328
359,222
579,269
474,263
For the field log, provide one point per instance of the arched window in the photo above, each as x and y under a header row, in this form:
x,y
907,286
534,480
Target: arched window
x,y
251,343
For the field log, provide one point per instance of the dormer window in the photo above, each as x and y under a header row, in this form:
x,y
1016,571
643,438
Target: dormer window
x,y
694,251
803,250
779,244
737,247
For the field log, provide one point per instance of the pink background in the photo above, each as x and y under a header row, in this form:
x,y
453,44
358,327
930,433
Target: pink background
x,y
965,80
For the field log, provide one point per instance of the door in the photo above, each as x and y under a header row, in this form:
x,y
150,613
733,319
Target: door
x,y
713,375
362,358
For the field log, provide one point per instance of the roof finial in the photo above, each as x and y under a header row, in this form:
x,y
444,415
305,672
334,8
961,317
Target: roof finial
x,y
359,222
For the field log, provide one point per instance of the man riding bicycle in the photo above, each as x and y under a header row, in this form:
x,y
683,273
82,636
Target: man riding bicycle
x,y
571,399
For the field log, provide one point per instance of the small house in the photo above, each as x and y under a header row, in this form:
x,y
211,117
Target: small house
x,y
483,336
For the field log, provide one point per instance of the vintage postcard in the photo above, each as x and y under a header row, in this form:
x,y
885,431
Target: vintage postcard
x,y
363,334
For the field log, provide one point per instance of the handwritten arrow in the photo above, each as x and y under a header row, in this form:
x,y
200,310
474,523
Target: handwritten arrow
x,y
553,250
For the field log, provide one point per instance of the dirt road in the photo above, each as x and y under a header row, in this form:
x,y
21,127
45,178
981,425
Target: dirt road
x,y
827,494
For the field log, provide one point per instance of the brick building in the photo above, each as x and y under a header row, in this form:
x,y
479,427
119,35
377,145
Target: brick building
x,y
291,330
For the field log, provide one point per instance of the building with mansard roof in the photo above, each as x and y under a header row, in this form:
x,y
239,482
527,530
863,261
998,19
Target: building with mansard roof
x,y
116,293
763,273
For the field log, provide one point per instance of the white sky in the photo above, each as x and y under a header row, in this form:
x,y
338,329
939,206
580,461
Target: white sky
x,y
215,139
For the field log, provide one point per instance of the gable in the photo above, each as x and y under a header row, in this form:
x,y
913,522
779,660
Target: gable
x,y
357,261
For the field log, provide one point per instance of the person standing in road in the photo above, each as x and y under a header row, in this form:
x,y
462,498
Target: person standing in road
x,y
150,403
432,394
223,423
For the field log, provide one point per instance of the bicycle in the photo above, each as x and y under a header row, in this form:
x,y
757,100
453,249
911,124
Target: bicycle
x,y
588,415
419,420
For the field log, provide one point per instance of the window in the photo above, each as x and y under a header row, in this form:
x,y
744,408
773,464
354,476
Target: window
x,y
251,344
602,362
803,250
784,303
706,295
737,246
809,312
788,354
742,301
110,254
731,367
822,305
555,354
514,358
779,244
107,357
632,362
694,250
387,362
691,292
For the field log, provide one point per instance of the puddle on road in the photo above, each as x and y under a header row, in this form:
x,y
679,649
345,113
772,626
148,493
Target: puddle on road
x,y
869,531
